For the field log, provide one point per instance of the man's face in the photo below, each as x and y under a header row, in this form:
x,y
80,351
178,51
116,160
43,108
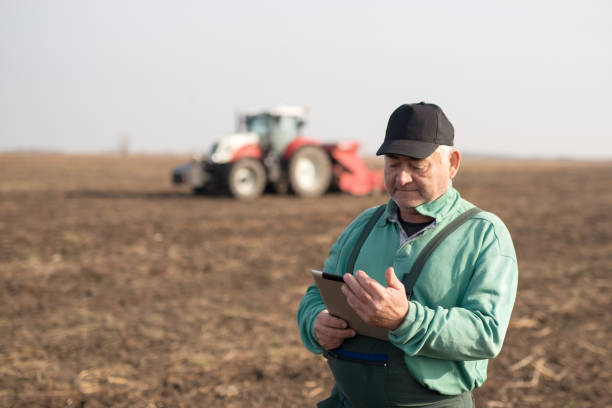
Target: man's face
x,y
412,182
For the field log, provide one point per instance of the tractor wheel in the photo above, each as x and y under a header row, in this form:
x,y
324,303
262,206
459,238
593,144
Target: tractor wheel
x,y
246,179
310,171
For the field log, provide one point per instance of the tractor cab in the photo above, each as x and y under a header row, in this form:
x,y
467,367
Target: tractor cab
x,y
276,128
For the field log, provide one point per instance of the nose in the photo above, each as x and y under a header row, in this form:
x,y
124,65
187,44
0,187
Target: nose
x,y
404,177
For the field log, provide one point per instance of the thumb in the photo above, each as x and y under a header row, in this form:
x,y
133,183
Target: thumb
x,y
392,280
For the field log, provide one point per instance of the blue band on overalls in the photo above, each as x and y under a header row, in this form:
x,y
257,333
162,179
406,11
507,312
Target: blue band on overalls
x,y
377,359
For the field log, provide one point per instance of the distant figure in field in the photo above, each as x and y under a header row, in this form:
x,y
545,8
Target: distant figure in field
x,y
443,326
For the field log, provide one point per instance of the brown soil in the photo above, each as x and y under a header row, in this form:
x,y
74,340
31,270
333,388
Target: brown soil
x,y
117,289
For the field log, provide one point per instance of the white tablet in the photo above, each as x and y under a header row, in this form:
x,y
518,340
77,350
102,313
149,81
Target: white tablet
x,y
329,287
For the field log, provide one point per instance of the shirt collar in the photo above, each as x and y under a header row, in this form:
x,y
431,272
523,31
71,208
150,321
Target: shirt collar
x,y
393,217
438,208
392,211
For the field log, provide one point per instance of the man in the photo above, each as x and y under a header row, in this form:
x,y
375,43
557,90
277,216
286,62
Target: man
x,y
453,319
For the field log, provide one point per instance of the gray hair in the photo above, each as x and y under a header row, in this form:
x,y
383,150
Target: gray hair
x,y
445,151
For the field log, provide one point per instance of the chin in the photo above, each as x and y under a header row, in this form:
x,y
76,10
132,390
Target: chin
x,y
412,204
407,203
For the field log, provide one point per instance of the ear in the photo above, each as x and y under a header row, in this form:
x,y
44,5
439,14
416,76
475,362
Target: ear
x,y
455,160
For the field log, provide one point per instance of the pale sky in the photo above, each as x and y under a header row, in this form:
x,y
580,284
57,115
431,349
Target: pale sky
x,y
518,78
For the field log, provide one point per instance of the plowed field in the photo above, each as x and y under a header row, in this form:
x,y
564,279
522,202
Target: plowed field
x,y
117,289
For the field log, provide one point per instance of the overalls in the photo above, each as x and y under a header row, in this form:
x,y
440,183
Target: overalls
x,y
372,373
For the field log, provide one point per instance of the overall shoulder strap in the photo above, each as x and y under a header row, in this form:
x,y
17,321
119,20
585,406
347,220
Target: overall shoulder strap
x,y
410,279
364,235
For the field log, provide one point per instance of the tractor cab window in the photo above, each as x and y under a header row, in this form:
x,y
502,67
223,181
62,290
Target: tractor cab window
x,y
259,124
284,130
275,132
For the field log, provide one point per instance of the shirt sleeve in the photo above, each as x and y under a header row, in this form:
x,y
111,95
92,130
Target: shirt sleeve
x,y
475,329
310,307
312,304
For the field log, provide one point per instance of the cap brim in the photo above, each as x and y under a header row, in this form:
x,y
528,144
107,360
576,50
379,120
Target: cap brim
x,y
410,148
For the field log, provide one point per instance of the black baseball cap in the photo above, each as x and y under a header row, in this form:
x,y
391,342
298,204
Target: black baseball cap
x,y
416,130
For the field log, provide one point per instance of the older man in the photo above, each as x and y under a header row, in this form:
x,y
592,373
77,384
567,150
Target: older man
x,y
443,326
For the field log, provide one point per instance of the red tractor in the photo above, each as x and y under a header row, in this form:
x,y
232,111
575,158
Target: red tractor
x,y
269,151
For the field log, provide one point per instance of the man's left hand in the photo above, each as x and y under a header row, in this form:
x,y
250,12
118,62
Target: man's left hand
x,y
375,304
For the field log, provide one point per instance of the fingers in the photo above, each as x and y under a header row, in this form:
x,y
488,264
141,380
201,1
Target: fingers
x,y
331,331
392,280
332,321
353,291
364,287
375,304
330,334
358,298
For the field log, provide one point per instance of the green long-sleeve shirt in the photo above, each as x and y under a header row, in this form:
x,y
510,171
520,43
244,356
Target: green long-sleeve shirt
x,y
461,303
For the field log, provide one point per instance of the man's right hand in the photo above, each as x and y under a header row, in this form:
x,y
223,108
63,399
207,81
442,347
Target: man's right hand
x,y
331,331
